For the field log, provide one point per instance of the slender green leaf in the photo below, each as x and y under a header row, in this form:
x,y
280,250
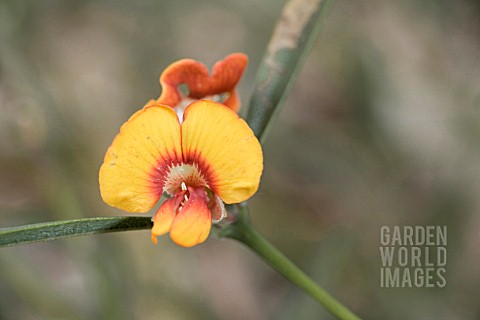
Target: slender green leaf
x,y
71,228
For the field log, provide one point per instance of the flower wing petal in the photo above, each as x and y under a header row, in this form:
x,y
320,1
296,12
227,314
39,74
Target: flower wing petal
x,y
133,172
163,219
192,224
225,149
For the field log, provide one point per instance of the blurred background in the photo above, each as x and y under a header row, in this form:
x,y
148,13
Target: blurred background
x,y
381,128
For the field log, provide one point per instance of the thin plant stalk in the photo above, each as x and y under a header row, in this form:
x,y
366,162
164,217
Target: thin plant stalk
x,y
243,231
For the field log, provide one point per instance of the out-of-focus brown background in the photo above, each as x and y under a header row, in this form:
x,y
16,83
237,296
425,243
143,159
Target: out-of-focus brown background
x,y
381,128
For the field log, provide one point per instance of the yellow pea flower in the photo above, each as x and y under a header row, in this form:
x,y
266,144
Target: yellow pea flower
x,y
211,157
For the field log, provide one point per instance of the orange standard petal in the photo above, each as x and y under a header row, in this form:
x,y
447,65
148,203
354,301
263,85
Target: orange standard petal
x,y
225,76
134,170
224,148
192,224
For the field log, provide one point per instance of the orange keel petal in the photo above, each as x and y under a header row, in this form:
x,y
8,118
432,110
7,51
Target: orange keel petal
x,y
192,224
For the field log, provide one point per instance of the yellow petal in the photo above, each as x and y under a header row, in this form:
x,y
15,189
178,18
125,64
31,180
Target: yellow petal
x,y
193,222
222,145
163,219
133,173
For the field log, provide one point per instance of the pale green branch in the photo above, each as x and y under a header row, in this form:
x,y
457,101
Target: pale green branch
x,y
292,39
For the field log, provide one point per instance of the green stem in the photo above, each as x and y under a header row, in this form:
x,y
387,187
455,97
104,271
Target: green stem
x,y
70,228
292,40
242,231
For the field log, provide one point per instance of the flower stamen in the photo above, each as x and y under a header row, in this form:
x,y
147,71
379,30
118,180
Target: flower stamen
x,y
182,175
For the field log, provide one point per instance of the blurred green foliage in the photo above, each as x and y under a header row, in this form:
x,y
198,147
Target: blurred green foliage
x,y
381,128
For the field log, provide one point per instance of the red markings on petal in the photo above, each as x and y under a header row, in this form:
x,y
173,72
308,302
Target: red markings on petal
x,y
224,78
194,157
159,173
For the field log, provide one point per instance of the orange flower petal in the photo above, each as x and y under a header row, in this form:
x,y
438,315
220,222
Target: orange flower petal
x,y
233,101
133,173
163,219
224,78
225,149
192,224
186,71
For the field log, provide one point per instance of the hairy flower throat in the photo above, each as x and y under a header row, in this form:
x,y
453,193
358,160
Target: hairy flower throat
x,y
183,175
